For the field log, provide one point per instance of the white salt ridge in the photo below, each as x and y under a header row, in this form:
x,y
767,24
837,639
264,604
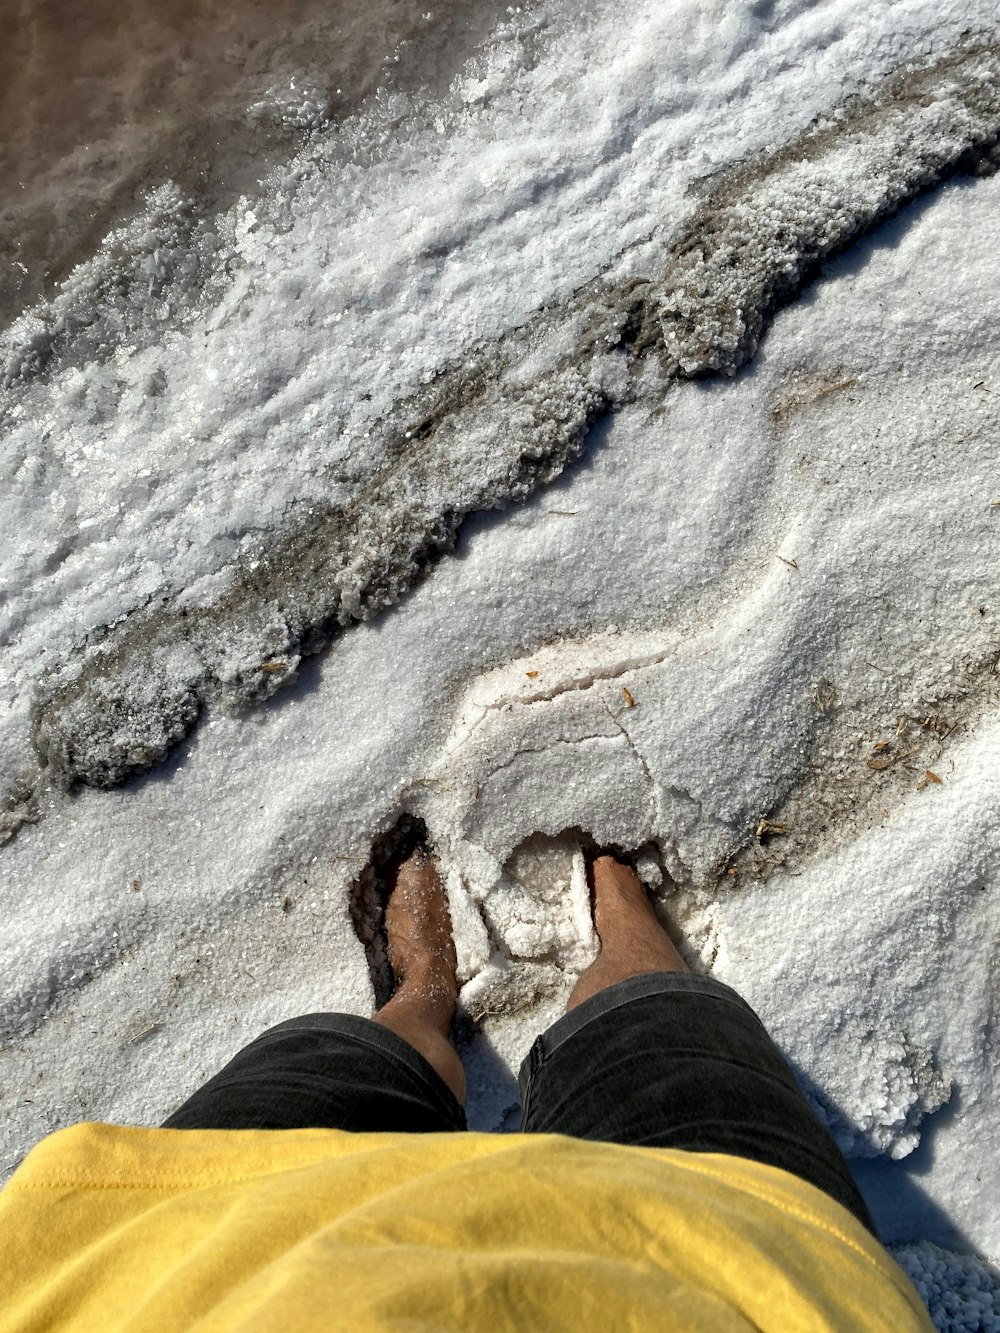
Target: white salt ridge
x,y
492,434
306,343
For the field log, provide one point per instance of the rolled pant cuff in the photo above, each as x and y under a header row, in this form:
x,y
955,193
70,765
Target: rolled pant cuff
x,y
624,992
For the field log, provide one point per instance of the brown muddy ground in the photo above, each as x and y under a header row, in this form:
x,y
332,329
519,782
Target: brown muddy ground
x,y
101,101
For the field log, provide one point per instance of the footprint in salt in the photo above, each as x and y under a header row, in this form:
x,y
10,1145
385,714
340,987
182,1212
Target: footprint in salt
x,y
539,923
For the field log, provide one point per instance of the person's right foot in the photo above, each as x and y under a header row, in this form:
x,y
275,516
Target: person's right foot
x,y
632,940
621,908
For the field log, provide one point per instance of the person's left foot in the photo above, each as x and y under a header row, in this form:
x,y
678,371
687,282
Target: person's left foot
x,y
418,930
422,956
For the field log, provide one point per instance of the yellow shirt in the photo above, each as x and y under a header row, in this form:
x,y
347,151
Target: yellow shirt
x,y
106,1228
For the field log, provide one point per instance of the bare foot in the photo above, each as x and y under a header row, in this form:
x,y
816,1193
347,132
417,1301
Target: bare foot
x,y
418,930
632,940
422,957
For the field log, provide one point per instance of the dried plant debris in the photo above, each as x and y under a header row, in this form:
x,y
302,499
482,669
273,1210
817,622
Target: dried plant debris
x,y
489,432
843,792
770,828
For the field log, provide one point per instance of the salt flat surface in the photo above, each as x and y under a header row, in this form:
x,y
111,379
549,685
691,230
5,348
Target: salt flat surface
x,y
789,574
